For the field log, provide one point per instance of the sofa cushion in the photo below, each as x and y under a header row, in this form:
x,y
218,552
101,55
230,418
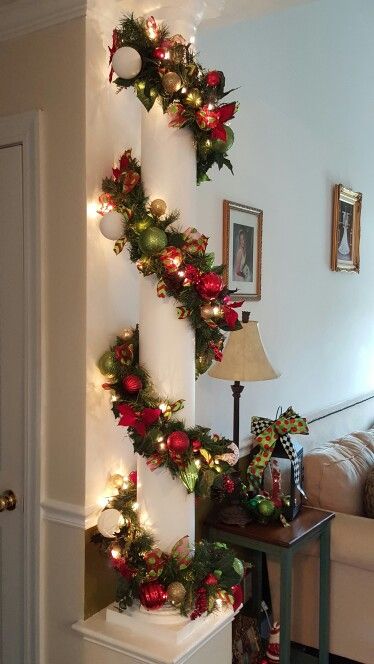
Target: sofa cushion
x,y
335,472
369,494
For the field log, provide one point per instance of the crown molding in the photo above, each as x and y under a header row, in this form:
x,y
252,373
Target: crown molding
x,y
22,17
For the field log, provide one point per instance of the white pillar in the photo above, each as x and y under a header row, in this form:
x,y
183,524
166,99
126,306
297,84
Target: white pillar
x,y
167,345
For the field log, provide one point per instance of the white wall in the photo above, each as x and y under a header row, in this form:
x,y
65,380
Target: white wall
x,y
305,123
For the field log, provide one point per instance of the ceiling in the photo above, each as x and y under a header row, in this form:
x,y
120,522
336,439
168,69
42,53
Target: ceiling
x,y
241,10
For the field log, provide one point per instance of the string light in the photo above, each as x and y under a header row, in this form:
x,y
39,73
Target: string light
x,y
162,446
183,90
135,506
103,501
216,310
181,273
163,407
208,142
197,463
210,107
116,553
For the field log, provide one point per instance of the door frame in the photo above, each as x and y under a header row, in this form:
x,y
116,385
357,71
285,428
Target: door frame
x,y
24,129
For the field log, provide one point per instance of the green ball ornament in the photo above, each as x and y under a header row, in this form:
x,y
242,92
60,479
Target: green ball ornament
x,y
202,363
142,224
224,146
266,508
152,241
106,363
238,567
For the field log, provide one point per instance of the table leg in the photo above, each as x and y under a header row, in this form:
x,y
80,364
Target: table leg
x,y
324,595
285,606
256,557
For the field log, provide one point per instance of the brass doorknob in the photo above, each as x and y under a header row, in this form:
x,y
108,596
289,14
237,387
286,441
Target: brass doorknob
x,y
8,501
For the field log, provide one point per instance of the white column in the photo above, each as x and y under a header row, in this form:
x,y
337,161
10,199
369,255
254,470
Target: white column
x,y
167,345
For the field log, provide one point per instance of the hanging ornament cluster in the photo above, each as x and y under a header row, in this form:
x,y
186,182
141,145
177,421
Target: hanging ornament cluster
x,y
197,457
179,259
157,65
196,581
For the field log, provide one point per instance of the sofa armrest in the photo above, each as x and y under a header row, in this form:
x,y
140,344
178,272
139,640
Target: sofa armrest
x,y
352,541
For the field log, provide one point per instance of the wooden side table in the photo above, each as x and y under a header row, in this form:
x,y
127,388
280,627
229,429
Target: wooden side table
x,y
282,543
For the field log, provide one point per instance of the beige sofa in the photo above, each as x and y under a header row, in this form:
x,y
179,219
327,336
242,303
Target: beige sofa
x,y
334,477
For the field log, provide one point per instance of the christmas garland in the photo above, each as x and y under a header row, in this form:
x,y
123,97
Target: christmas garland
x,y
185,271
197,582
193,454
159,66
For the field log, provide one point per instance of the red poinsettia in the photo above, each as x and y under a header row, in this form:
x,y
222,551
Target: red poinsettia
x,y
225,113
138,420
116,43
216,350
229,314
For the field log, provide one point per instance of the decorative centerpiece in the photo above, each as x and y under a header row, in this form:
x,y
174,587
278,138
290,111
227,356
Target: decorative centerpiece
x,y
274,442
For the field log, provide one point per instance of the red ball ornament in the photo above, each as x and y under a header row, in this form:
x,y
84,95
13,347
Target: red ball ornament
x,y
132,384
133,477
178,442
171,259
159,53
213,78
209,285
229,484
152,595
210,580
196,445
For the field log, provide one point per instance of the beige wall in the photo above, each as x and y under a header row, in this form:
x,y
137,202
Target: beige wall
x,y
35,75
45,70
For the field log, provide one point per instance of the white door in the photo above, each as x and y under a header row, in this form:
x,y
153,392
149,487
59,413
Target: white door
x,y
12,404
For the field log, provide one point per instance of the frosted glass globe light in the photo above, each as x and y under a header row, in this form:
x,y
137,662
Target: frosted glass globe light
x,y
111,225
127,62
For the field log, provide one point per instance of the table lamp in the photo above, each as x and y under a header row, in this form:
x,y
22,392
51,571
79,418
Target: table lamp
x,y
244,360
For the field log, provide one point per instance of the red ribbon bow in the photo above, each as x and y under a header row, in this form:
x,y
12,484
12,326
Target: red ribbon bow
x,y
140,421
229,314
216,350
224,114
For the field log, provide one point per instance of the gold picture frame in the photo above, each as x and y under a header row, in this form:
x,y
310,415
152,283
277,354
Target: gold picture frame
x,y
346,221
242,250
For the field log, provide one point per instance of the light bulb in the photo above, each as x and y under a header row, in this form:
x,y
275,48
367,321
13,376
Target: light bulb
x,y
163,406
135,506
116,553
181,273
210,107
162,446
183,90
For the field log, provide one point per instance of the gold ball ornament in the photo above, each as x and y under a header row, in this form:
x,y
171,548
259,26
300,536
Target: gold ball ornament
x,y
194,98
127,334
171,82
176,592
158,207
206,311
116,481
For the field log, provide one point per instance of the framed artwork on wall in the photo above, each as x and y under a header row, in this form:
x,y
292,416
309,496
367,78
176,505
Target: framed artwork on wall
x,y
242,249
346,219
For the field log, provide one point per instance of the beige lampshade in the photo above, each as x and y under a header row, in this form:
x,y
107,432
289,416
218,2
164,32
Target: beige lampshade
x,y
244,357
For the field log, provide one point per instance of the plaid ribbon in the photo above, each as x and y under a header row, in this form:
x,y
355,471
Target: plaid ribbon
x,y
267,433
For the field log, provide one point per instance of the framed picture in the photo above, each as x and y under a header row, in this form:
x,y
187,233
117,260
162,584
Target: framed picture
x,y
242,246
345,246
